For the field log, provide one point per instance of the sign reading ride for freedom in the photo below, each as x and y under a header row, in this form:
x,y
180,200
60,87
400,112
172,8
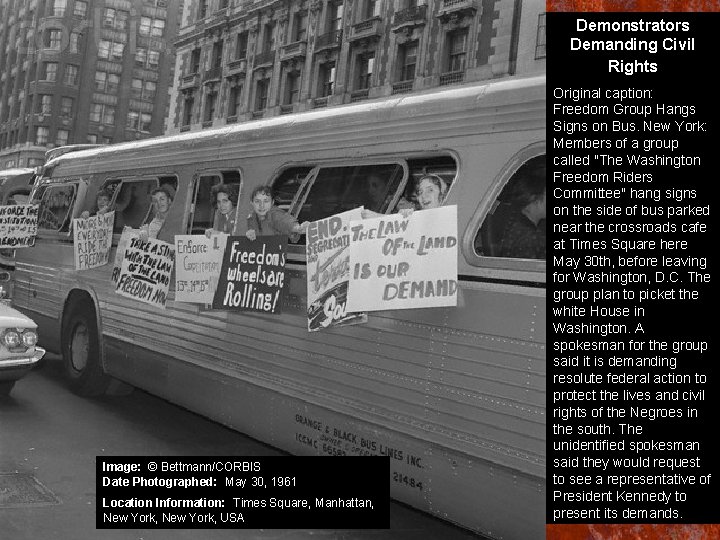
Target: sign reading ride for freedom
x,y
92,240
145,271
403,263
198,267
252,275
18,225
328,271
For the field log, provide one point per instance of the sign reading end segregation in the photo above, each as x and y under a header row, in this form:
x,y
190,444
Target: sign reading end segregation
x,y
252,276
92,240
18,225
146,270
404,263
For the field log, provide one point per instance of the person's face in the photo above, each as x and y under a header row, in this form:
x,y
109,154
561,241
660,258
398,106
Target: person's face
x,y
262,204
428,194
224,203
102,202
161,202
376,190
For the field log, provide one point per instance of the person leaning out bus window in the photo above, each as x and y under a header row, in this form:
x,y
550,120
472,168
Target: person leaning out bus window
x,y
524,235
430,191
162,198
266,219
225,199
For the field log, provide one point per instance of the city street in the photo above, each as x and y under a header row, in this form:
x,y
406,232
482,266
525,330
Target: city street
x,y
54,436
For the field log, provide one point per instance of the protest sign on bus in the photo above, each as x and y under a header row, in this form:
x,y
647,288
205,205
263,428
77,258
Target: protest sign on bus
x,y
92,239
146,270
404,263
18,225
198,269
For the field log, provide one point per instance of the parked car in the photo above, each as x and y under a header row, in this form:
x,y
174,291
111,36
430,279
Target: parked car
x,y
18,350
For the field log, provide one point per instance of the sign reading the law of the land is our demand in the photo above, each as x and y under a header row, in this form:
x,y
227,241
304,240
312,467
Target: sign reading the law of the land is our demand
x,y
252,276
93,240
146,270
18,225
199,260
128,233
404,263
328,271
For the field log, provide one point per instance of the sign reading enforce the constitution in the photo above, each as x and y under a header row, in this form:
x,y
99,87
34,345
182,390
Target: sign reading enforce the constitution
x,y
18,225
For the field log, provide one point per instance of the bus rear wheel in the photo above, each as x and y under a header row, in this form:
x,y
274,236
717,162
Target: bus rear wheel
x,y
81,352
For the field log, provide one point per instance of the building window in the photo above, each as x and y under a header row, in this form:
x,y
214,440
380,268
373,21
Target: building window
x,y
53,40
145,121
187,110
42,134
241,46
132,119
143,89
115,18
300,26
335,16
269,38
75,42
261,95
372,9
107,140
327,79
153,59
62,137
110,51
151,27
144,27
91,138
217,54
540,51
66,105
407,61
202,9
158,28
59,7
140,56
80,9
457,44
195,61
366,63
101,113
210,100
71,75
50,71
45,105
235,104
292,88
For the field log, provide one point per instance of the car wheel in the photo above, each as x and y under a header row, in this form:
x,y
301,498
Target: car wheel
x,y
6,387
81,352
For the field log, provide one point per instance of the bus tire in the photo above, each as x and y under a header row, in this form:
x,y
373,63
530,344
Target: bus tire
x,y
81,351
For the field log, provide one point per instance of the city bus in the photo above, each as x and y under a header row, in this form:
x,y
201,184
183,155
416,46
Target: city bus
x,y
455,396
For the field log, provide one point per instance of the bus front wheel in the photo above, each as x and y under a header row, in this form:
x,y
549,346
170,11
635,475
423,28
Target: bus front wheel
x,y
81,352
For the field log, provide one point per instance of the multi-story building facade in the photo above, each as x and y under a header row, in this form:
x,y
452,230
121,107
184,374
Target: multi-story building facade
x,y
82,71
239,60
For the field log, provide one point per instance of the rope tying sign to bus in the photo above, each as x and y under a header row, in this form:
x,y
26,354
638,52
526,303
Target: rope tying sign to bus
x,y
404,263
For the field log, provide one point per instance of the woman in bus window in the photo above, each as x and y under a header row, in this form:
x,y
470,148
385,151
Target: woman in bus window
x,y
266,219
430,191
162,198
225,200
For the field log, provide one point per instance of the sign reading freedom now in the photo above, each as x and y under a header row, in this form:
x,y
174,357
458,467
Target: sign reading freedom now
x,y
252,276
404,263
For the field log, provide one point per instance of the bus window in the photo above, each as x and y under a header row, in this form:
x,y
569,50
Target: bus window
x,y
515,225
337,189
288,184
203,213
131,201
56,206
441,166
18,198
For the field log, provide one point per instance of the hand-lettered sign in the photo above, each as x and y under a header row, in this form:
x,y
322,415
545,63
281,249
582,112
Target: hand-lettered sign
x,y
127,234
92,240
146,270
252,275
404,263
328,271
198,267
18,225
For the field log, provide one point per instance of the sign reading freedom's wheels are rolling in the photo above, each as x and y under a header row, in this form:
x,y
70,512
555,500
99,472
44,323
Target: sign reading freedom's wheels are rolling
x,y
252,276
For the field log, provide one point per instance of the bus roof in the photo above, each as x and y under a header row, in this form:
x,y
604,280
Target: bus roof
x,y
463,97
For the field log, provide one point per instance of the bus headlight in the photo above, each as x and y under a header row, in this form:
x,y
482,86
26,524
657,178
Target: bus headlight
x,y
29,338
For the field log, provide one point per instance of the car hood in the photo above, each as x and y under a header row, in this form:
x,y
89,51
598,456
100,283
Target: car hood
x,y
12,318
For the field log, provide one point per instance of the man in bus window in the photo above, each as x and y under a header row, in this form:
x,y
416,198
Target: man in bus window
x,y
524,235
